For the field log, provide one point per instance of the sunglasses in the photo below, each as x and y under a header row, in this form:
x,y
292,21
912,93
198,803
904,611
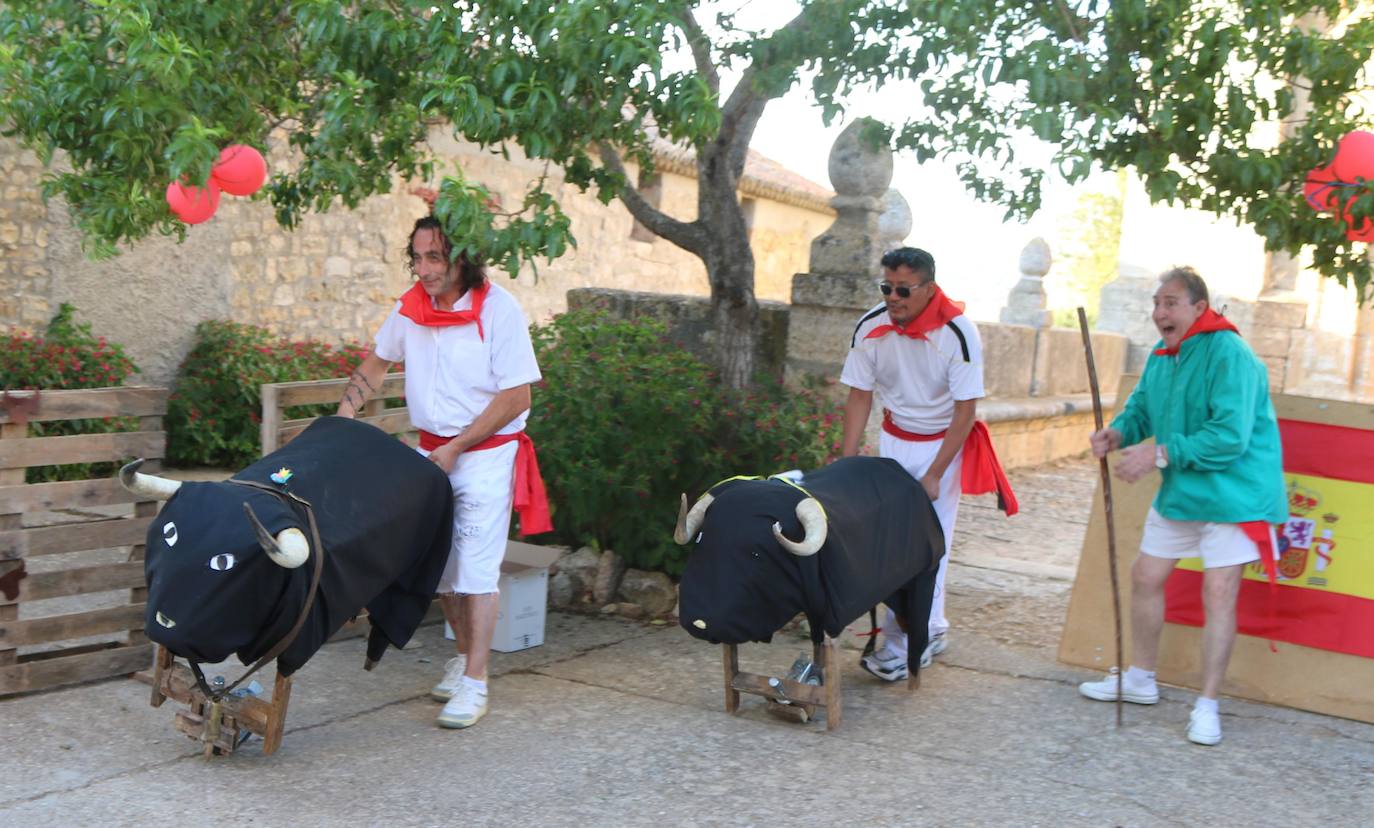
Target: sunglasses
x,y
902,291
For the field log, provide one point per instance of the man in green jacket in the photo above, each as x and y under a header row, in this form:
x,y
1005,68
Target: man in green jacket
x,y
1204,398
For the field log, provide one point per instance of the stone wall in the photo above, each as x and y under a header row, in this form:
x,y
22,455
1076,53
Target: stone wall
x,y
335,277
24,241
1028,432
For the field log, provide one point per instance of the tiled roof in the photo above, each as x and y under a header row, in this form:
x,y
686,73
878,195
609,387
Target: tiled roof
x,y
763,177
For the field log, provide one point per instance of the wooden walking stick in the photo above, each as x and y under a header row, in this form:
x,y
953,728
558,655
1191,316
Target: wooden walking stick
x,y
1107,506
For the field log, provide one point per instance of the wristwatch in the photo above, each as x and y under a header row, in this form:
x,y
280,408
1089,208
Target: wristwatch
x,y
1161,459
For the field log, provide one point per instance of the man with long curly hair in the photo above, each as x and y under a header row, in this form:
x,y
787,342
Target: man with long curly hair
x,y
469,366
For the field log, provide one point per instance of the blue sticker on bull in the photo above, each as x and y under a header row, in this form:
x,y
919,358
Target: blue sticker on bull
x,y
169,533
223,562
280,476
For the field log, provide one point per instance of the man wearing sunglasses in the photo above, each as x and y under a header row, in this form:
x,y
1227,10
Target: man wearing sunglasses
x,y
924,359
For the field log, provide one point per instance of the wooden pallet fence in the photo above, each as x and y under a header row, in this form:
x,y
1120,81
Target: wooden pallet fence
x,y
73,551
277,431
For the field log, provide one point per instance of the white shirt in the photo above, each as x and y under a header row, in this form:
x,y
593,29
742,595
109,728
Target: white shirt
x,y
452,374
918,380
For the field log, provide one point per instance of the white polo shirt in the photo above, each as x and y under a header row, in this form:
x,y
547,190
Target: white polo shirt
x,y
452,374
918,380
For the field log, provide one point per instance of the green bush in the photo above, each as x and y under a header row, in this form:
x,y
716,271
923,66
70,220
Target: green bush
x,y
625,421
66,356
213,417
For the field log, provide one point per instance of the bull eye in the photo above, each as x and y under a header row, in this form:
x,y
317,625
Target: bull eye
x,y
699,534
223,562
165,621
169,533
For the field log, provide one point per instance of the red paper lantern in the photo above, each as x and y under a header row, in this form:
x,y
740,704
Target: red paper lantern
x,y
1363,233
240,170
193,205
1321,190
1354,157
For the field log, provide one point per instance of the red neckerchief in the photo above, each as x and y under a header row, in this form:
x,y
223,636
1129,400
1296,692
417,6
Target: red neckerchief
x,y
417,306
531,498
1209,322
936,313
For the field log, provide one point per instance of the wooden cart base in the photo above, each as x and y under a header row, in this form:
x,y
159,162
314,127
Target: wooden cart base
x,y
219,727
801,700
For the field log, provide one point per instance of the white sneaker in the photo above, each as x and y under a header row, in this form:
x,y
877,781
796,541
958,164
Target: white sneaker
x,y
938,643
885,664
1204,727
453,676
1105,690
467,705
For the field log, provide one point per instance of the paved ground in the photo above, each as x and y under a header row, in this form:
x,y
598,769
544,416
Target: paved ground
x,y
619,723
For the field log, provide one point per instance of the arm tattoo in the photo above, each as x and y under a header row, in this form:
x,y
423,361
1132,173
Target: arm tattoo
x,y
354,396
358,375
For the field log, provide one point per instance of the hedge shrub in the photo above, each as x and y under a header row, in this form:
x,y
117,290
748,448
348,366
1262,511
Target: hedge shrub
x,y
625,421
213,416
65,356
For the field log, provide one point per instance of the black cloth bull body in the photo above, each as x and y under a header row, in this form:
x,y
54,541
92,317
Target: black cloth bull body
x,y
385,519
882,543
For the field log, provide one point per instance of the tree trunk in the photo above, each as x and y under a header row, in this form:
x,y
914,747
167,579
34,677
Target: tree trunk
x,y
734,316
729,262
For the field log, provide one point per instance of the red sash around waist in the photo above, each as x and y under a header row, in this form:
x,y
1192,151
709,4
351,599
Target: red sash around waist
x,y
531,498
982,471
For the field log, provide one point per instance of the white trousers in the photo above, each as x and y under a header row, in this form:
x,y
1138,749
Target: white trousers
x,y
916,458
483,490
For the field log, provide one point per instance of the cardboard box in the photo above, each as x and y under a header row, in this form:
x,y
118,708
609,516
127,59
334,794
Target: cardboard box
x,y
524,588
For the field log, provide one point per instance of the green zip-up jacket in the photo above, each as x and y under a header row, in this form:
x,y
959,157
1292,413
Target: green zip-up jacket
x,y
1209,406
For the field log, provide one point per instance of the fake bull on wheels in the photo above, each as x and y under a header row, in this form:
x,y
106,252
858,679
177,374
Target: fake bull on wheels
x,y
858,532
272,562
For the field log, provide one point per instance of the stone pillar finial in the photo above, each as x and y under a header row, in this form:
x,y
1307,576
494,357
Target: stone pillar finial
x,y
860,172
1026,303
894,223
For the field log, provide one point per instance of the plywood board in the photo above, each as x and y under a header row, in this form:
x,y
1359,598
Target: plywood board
x,y
1308,679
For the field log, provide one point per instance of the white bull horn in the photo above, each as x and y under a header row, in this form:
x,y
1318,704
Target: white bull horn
x,y
289,549
813,522
689,522
147,485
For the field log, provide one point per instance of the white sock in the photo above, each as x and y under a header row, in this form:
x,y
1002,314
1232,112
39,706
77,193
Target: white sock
x,y
893,638
1135,675
476,684
1203,703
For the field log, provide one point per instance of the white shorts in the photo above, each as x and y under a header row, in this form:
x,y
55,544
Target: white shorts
x,y
1218,544
483,490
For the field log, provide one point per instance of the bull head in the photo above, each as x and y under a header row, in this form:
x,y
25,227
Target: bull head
x,y
289,549
809,512
813,522
147,485
689,522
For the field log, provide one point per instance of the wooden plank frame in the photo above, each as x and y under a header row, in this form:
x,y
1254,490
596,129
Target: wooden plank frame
x,y
1300,677
276,431
805,697
34,654
218,728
